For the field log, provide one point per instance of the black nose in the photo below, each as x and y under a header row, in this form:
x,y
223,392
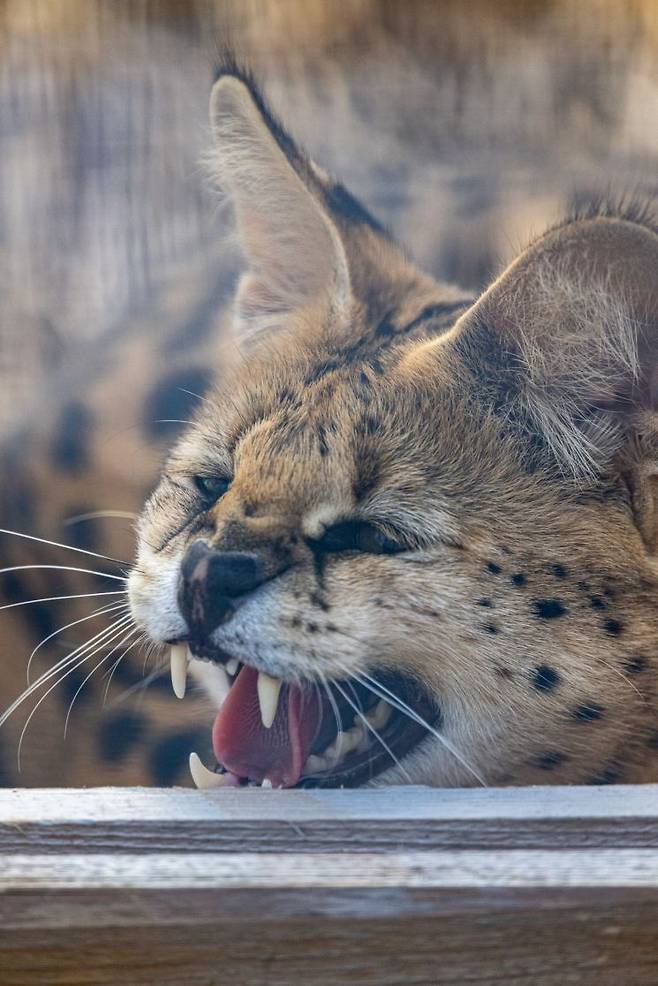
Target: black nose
x,y
210,584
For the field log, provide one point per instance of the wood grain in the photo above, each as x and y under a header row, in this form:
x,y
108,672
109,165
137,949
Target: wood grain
x,y
109,885
157,821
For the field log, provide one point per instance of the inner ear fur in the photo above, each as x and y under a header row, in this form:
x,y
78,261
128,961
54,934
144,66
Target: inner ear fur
x,y
293,249
565,343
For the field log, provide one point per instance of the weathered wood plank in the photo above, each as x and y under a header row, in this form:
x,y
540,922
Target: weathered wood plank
x,y
379,820
329,887
495,918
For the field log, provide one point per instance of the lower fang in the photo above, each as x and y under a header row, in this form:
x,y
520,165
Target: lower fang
x,y
266,782
203,778
232,666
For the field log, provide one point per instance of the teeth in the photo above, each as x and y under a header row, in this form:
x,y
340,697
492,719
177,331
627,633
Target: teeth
x,y
203,778
178,659
232,666
266,782
380,715
315,765
268,697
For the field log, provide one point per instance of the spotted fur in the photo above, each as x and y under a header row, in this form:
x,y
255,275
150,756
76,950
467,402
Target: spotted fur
x,y
507,442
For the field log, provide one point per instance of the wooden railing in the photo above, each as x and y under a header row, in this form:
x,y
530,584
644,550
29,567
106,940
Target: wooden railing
x,y
541,886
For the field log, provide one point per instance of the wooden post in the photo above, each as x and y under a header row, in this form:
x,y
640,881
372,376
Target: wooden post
x,y
542,886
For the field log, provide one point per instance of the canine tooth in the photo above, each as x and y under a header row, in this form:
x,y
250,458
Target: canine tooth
x,y
212,678
232,666
266,782
268,689
178,667
379,716
203,778
315,764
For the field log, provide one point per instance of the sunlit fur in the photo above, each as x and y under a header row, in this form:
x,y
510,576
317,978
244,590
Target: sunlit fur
x,y
510,445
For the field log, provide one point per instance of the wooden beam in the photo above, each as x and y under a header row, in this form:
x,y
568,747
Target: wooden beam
x,y
106,886
373,820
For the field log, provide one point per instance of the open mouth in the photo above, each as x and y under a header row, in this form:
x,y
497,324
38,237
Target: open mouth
x,y
270,733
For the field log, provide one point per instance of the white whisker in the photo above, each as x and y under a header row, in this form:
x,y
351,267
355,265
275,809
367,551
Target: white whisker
x,y
397,702
125,638
372,729
60,665
52,599
57,544
100,515
62,568
69,671
109,608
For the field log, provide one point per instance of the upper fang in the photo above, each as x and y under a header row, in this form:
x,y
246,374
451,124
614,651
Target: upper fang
x,y
178,663
268,689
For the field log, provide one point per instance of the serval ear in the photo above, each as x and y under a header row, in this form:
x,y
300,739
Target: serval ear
x,y
563,348
293,248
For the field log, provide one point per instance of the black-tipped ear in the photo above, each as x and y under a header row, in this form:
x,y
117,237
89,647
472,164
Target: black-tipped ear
x,y
565,343
293,248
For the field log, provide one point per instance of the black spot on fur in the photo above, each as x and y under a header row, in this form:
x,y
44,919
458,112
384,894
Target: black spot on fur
x,y
320,602
484,602
322,441
636,664
322,370
519,579
439,312
331,627
609,775
312,627
588,713
172,400
118,734
295,622
491,628
559,571
614,628
493,568
168,758
545,678
385,327
583,586
70,448
597,602
550,760
652,742
549,609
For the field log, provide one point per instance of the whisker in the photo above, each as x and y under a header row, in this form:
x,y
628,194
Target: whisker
x,y
52,599
110,608
95,644
110,674
62,568
375,732
60,665
68,547
99,515
402,706
138,686
70,670
125,638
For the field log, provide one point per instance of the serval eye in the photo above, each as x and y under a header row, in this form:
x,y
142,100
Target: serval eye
x,y
211,488
354,535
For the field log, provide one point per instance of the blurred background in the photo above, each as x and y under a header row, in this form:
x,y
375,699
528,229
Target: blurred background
x,y
465,125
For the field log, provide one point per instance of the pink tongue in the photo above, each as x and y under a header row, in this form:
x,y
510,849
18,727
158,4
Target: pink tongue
x,y
246,748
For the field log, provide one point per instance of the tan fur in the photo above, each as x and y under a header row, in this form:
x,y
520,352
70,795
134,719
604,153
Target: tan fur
x,y
512,453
